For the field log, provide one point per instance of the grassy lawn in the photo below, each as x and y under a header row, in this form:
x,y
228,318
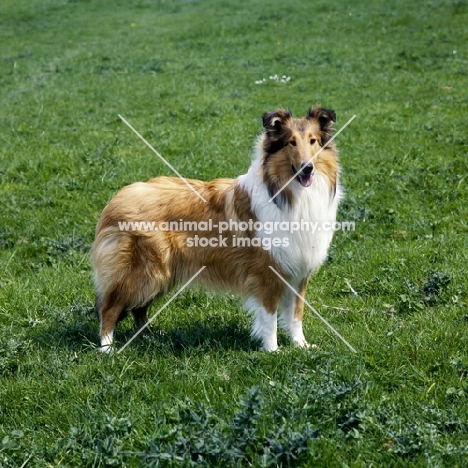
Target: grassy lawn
x,y
196,392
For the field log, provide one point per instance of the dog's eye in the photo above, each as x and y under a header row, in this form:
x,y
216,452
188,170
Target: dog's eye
x,y
313,141
292,142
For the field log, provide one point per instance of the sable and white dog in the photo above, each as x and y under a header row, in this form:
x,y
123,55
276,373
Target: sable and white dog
x,y
133,267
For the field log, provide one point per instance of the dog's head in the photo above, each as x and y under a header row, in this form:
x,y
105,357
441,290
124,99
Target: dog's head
x,y
297,148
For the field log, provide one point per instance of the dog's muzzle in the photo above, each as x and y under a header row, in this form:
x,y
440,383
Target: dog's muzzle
x,y
304,176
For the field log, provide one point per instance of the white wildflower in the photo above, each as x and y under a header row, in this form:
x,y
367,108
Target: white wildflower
x,y
283,79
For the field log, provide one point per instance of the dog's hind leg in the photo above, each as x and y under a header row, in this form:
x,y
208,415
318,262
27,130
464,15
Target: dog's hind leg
x,y
140,316
97,306
109,315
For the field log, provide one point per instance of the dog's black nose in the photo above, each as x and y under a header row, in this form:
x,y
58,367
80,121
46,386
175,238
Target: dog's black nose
x,y
307,168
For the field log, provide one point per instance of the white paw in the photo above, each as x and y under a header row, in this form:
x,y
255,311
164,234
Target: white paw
x,y
269,346
106,344
301,343
106,349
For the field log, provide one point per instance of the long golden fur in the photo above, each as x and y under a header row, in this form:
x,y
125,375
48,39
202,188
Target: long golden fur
x,y
133,267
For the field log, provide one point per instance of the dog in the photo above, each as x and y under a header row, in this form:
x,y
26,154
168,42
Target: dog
x,y
294,176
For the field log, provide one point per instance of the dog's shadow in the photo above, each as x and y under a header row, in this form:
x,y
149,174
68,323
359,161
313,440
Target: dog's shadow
x,y
79,332
211,334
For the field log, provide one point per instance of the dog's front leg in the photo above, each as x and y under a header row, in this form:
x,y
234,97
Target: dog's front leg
x,y
265,324
292,312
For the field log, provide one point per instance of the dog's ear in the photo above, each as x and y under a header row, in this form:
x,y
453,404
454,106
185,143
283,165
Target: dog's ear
x,y
274,121
277,132
326,118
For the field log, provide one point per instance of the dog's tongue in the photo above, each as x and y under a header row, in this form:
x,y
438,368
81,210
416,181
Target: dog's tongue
x,y
305,180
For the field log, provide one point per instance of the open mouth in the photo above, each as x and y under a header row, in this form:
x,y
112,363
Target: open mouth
x,y
305,179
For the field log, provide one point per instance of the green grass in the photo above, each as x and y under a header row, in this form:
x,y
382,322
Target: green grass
x,y
197,392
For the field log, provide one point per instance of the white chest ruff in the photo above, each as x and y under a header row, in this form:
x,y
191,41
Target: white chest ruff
x,y
303,232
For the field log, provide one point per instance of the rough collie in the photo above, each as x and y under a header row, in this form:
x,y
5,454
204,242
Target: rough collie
x,y
240,230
